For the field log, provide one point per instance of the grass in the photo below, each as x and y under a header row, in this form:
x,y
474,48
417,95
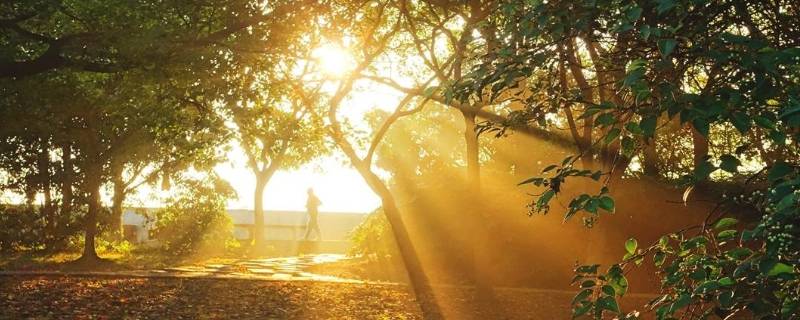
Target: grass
x,y
132,258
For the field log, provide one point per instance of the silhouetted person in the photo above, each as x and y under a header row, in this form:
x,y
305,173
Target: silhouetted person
x,y
312,204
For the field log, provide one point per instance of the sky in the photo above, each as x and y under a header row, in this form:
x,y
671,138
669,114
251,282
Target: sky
x,y
339,187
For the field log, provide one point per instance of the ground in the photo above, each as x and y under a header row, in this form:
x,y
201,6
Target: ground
x,y
175,298
73,297
264,288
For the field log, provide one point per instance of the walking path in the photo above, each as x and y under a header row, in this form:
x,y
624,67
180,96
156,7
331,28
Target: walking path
x,y
278,269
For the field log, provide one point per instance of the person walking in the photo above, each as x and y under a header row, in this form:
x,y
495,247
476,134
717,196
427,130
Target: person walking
x,y
312,205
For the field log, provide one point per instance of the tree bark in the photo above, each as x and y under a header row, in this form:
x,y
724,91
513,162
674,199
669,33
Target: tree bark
x,y
650,159
93,183
700,147
117,202
66,182
416,274
419,280
44,179
258,212
480,224
587,95
472,153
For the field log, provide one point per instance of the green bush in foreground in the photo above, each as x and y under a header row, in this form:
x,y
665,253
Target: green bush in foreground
x,y
195,220
373,238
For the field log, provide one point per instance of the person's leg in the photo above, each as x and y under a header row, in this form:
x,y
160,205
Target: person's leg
x,y
308,232
319,234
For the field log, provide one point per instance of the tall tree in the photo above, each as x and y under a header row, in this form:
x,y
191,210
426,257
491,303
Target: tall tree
x,y
370,30
277,130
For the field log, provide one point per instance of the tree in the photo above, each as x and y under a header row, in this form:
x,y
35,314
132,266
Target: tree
x,y
706,66
277,130
372,28
102,37
118,64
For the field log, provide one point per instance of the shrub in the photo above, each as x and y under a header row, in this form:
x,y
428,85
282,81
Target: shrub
x,y
20,227
373,238
195,219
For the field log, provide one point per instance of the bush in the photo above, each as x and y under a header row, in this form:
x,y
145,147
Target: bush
x,y
103,245
373,238
196,220
21,227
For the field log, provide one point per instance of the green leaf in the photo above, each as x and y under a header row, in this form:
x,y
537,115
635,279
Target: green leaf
x,y
704,170
725,222
741,122
644,31
587,268
658,258
535,180
620,284
608,303
633,128
607,203
682,301
726,281
631,245
579,311
612,135
634,13
788,308
726,299
790,111
605,119
608,290
581,296
701,125
628,146
739,253
648,126
778,170
764,122
548,168
664,6
726,235
729,163
780,268
545,198
666,46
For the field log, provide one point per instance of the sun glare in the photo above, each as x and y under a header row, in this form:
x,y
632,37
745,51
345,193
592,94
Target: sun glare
x,y
333,59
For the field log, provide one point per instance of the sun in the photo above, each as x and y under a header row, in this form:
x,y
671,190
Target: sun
x,y
334,60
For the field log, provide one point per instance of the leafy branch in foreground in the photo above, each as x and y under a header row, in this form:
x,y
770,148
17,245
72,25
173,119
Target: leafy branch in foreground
x,y
717,268
715,83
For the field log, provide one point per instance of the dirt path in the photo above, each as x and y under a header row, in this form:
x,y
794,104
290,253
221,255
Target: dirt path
x,y
284,269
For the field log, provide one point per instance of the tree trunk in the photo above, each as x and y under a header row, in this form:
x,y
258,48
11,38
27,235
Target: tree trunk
x,y
93,183
700,147
480,223
650,159
44,179
66,182
416,273
116,206
258,212
473,164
